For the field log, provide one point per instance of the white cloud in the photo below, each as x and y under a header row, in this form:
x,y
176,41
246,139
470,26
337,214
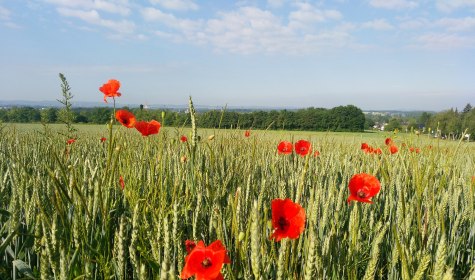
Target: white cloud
x,y
451,5
306,16
153,14
12,25
252,30
93,17
5,18
111,6
307,13
378,24
275,3
393,4
180,5
4,13
457,24
412,24
444,41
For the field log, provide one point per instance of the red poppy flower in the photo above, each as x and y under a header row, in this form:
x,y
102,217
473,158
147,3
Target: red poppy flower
x,y
316,154
183,138
302,147
288,219
388,141
110,89
378,151
247,133
121,183
363,187
364,146
412,150
126,118
285,148
205,263
393,149
148,128
103,139
189,245
70,141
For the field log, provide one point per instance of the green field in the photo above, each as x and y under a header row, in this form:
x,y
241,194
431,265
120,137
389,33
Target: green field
x,y
64,215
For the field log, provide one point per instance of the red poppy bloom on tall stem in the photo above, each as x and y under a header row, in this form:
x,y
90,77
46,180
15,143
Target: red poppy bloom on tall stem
x,y
126,118
302,147
288,219
285,148
183,138
110,89
363,187
70,141
247,133
203,262
393,149
388,141
148,128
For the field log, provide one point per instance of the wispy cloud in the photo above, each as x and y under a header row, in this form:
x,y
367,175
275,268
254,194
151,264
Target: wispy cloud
x,y
274,26
110,6
275,3
457,24
378,24
180,5
307,13
414,23
252,30
444,41
393,4
451,5
6,18
4,13
94,18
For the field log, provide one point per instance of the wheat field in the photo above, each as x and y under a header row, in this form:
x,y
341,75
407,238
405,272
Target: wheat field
x,y
65,215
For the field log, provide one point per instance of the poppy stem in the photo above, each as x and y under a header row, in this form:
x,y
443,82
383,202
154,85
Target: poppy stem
x,y
281,262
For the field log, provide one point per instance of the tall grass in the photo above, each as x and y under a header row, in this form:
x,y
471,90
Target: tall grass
x,y
63,214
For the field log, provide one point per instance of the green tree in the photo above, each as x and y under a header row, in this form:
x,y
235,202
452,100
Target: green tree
x,y
448,122
346,118
393,124
469,123
23,115
49,115
424,119
369,123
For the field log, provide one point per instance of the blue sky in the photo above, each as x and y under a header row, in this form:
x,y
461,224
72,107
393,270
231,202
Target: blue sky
x,y
375,54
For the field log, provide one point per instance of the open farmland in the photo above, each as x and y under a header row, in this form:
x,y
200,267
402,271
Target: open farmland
x,y
123,208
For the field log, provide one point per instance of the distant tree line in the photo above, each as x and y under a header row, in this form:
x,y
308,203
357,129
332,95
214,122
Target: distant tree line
x,y
342,118
449,123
